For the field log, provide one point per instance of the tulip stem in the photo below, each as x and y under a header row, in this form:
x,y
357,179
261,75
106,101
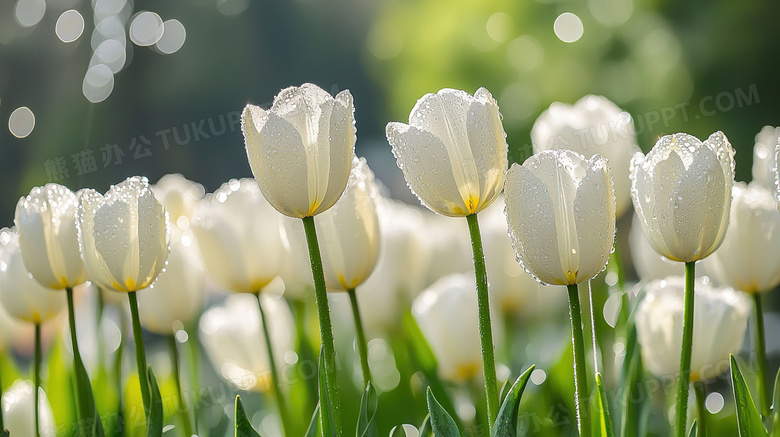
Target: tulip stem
x,y
326,328
701,409
2,425
78,364
760,344
176,363
37,379
192,348
485,328
581,393
361,337
277,387
140,352
683,385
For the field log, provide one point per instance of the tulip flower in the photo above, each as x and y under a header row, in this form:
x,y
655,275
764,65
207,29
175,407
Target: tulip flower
x,y
179,196
592,125
448,316
238,233
560,208
764,161
21,415
300,152
230,333
718,329
124,239
453,154
682,196
746,262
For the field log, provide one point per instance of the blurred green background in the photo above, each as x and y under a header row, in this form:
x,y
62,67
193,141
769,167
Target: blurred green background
x,y
675,66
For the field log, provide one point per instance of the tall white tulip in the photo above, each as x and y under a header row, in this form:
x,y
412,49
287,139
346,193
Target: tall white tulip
x,y
301,149
764,160
349,232
231,334
592,125
46,222
682,194
22,296
239,236
179,196
17,409
560,208
453,152
123,235
178,293
447,315
718,330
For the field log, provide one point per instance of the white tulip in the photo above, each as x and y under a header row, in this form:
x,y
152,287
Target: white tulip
x,y
234,342
301,149
749,259
123,235
239,236
453,152
682,194
718,328
447,315
764,161
46,223
9,328
178,293
649,265
560,208
21,295
179,196
513,288
592,125
349,232
18,411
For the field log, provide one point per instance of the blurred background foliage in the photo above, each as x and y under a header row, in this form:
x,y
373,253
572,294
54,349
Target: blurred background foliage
x,y
675,66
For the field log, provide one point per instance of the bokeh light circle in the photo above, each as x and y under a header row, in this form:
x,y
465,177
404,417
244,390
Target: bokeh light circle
x,y
69,26
28,13
568,27
21,122
98,83
173,37
146,29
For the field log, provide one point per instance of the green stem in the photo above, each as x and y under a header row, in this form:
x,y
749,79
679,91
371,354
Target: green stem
x,y
701,409
194,372
75,346
485,328
361,337
759,341
277,387
683,385
2,425
326,328
581,393
140,352
176,363
37,379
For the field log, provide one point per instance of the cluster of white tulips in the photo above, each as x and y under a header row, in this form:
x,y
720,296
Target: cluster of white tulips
x,y
315,220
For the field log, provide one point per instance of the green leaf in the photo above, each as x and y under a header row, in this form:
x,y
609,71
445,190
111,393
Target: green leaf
x,y
748,420
366,425
505,387
603,423
630,383
154,425
441,422
314,424
398,431
89,418
243,426
327,423
776,408
422,351
506,422
694,430
425,429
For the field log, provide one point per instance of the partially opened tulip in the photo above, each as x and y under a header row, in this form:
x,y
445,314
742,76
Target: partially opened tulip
x,y
179,196
48,235
682,196
447,315
764,161
592,125
560,208
124,239
749,259
25,299
21,415
300,152
453,154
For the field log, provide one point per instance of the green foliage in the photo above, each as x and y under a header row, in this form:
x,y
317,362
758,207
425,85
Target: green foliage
x,y
506,421
630,380
243,426
154,425
776,407
441,422
366,426
314,424
694,431
602,425
748,419
425,429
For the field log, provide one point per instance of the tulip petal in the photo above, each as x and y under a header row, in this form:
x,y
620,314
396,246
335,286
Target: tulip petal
x,y
153,238
488,142
96,265
594,215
